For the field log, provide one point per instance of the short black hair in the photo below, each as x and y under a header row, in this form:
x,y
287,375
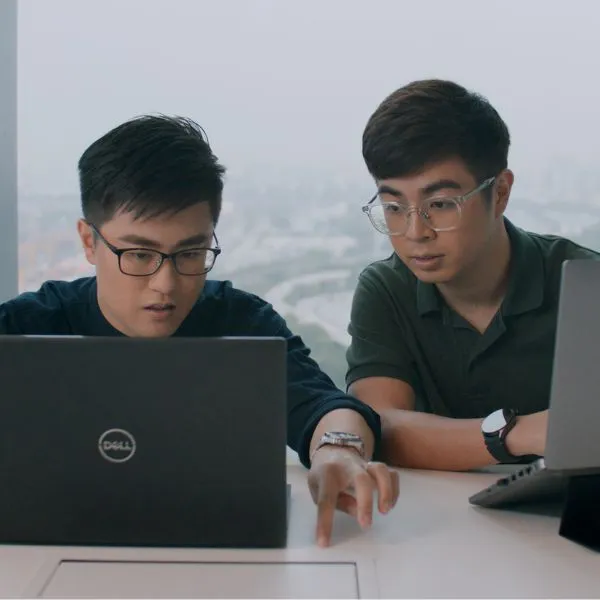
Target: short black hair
x,y
432,120
150,166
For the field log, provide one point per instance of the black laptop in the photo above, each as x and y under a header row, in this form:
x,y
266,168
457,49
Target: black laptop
x,y
143,442
573,443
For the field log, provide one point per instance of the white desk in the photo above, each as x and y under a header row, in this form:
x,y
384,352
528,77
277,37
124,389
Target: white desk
x,y
434,544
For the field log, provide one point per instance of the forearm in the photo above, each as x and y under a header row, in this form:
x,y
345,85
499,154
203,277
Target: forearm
x,y
424,441
348,421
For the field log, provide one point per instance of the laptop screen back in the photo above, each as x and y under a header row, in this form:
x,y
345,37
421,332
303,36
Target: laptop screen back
x,y
117,441
573,442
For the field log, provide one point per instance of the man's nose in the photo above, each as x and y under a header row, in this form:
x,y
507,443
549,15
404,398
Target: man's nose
x,y
165,279
417,227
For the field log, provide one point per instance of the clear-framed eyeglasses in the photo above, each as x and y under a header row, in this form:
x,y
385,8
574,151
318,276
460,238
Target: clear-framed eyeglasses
x,y
142,262
440,213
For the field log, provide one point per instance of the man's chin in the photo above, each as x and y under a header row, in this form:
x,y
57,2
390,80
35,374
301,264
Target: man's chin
x,y
437,277
158,329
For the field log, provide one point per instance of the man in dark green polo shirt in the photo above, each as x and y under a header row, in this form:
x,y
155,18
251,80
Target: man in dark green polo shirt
x,y
453,335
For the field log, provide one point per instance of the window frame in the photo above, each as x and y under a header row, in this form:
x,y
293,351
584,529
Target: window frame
x,y
9,234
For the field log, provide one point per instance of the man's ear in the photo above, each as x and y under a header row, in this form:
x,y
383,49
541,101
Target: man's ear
x,y
88,240
503,186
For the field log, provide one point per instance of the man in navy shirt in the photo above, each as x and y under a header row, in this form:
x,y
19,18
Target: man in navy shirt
x,y
151,197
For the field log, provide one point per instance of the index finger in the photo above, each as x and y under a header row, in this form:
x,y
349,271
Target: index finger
x,y
326,503
364,487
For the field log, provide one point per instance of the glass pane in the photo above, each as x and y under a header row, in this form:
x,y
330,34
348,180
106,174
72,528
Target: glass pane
x,y
284,90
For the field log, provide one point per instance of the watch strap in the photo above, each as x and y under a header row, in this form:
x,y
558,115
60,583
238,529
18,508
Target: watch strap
x,y
341,440
496,445
496,442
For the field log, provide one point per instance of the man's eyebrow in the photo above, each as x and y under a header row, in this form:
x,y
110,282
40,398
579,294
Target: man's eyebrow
x,y
143,242
430,188
200,239
440,184
386,189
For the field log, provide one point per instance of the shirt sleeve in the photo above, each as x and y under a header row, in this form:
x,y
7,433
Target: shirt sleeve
x,y
378,345
311,393
32,313
3,320
9,323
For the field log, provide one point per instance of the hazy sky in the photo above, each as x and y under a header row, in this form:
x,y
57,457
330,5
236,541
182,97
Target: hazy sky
x,y
284,87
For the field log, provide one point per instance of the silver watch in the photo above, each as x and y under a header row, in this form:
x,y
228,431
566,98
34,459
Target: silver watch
x,y
343,439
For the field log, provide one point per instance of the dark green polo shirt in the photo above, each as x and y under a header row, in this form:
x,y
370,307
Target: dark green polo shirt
x,y
402,328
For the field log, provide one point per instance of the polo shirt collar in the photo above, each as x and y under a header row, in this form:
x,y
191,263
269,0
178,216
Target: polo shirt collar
x,y
428,298
526,279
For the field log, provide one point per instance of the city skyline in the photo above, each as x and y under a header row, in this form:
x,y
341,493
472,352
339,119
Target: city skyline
x,y
302,254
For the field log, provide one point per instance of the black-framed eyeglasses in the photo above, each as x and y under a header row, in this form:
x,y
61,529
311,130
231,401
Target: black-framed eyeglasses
x,y
439,213
141,262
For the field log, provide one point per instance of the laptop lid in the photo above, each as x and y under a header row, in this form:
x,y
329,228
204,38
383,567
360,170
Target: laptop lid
x,y
122,441
573,442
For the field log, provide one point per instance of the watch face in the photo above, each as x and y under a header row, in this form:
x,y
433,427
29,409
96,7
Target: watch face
x,y
494,423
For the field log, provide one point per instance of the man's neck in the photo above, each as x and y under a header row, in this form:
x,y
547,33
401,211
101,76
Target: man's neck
x,y
483,287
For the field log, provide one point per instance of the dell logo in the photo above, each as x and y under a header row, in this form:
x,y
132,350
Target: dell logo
x,y
116,445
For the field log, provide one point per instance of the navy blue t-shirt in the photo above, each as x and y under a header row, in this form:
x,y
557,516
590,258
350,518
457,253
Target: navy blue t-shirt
x,y
71,308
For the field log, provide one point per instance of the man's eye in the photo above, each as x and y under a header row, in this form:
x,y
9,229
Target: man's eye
x,y
393,208
441,204
192,254
141,256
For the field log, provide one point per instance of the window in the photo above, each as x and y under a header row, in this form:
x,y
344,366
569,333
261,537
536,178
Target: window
x,y
283,90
